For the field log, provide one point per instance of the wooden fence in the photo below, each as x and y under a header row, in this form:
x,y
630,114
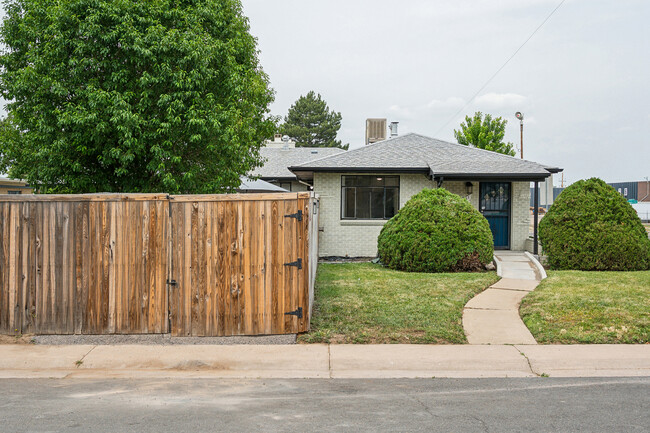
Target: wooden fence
x,y
213,265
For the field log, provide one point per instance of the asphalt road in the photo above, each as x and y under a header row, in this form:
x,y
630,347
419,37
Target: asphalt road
x,y
413,405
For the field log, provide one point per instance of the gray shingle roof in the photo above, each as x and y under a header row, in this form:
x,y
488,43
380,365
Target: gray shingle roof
x,y
418,153
278,160
248,185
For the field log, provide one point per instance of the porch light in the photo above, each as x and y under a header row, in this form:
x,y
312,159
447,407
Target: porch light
x,y
469,187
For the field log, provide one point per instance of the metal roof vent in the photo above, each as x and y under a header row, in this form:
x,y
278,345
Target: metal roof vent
x,y
393,129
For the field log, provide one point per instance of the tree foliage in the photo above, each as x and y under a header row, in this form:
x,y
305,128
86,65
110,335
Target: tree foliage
x,y
591,227
484,133
131,95
311,123
436,231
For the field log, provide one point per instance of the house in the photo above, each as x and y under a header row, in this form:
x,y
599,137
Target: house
x,y
280,154
14,186
363,188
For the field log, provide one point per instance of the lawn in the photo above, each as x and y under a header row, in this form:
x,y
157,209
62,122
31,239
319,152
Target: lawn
x,y
590,307
367,303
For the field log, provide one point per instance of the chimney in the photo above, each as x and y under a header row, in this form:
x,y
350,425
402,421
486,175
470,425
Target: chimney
x,y
393,129
375,130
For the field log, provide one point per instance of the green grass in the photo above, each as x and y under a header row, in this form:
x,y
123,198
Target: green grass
x,y
367,303
590,307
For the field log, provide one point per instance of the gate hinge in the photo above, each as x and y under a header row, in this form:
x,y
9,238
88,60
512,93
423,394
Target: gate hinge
x,y
297,215
297,263
172,282
297,313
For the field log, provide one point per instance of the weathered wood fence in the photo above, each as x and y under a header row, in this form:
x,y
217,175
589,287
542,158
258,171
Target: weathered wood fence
x,y
212,265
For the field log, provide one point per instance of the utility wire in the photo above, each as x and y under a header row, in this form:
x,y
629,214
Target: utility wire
x,y
502,66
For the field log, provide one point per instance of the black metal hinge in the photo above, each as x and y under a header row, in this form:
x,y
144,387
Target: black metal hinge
x,y
297,263
172,282
297,313
297,215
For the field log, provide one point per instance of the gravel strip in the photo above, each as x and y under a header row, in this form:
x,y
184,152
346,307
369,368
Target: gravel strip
x,y
160,339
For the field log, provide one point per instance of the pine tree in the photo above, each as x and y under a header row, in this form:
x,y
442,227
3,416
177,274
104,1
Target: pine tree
x,y
311,123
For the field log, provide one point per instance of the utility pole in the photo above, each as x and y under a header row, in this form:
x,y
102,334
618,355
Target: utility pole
x,y
519,115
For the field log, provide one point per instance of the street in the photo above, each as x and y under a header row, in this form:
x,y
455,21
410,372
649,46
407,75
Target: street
x,y
414,405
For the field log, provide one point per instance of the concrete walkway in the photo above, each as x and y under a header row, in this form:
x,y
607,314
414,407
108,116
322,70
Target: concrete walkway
x,y
323,361
492,316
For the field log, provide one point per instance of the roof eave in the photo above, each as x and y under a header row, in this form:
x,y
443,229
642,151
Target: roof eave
x,y
532,177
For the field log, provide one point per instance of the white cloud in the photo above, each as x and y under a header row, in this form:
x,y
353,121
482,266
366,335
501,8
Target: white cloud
x,y
402,112
451,102
501,100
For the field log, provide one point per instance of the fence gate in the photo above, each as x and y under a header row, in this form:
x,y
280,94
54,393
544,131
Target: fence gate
x,y
238,267
83,265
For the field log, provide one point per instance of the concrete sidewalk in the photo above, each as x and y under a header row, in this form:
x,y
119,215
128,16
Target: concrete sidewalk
x,y
324,361
492,316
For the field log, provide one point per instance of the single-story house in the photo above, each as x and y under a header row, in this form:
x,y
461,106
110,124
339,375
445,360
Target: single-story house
x,y
14,186
280,154
363,188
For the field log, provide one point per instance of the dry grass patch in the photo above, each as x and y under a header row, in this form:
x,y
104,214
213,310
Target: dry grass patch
x,y
590,307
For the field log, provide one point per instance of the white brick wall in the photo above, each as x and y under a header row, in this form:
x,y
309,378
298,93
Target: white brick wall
x,y
359,238
520,206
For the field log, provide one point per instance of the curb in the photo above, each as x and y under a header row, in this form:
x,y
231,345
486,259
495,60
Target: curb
x,y
538,265
497,263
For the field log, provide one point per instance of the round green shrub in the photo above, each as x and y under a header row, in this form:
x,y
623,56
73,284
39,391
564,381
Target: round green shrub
x,y
436,231
591,227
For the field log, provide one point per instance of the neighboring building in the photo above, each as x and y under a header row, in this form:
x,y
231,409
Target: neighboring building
x,y
546,194
249,186
629,190
279,155
363,188
639,191
13,186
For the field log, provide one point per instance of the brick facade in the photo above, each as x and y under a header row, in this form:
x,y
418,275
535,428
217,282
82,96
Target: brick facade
x,y
359,238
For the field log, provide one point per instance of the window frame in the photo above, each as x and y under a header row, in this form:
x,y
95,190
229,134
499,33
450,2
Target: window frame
x,y
16,192
342,194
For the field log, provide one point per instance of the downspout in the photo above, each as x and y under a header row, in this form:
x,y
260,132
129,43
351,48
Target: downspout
x,y
311,187
440,180
536,217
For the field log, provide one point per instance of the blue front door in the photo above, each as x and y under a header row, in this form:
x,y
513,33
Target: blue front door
x,y
494,204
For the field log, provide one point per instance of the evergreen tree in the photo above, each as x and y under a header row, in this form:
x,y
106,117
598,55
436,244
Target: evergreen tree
x,y
484,133
311,123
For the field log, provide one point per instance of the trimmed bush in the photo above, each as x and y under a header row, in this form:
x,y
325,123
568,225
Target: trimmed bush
x,y
591,227
436,231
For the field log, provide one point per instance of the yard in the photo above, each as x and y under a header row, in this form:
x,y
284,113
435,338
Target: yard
x,y
367,303
590,307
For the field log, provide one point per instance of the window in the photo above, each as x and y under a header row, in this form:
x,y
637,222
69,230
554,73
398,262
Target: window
x,y
14,192
285,185
369,197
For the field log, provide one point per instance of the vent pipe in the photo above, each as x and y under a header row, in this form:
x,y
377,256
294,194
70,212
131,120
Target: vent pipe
x,y
393,129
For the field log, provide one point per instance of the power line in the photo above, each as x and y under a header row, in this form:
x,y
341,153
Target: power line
x,y
502,66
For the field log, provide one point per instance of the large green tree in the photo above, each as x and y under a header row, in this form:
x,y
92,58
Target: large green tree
x,y
132,95
311,123
484,132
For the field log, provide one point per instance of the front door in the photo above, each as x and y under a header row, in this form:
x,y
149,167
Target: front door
x,y
495,207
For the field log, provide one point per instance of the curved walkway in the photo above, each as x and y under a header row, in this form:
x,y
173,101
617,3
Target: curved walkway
x,y
492,316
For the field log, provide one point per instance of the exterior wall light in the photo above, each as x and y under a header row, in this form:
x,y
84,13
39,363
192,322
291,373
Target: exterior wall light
x,y
469,187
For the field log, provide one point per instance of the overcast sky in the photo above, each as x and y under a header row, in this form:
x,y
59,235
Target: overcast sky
x,y
582,81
